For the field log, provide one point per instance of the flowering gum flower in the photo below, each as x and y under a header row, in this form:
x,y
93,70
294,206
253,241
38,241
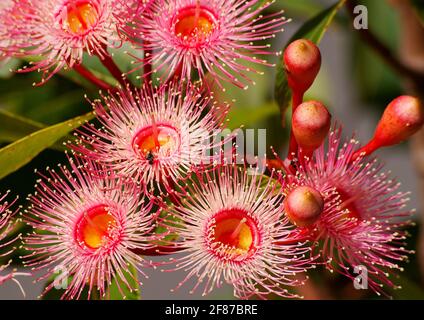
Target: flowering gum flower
x,y
364,212
6,226
233,229
86,228
302,60
155,135
59,32
207,36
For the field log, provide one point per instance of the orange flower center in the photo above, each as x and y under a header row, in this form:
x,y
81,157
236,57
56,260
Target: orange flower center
x,y
80,17
96,228
156,139
234,233
194,24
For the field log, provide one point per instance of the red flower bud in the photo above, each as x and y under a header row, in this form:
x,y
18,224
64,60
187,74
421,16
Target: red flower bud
x,y
302,60
311,122
304,206
402,118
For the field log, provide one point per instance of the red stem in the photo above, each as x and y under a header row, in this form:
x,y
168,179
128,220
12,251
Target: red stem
x,y
113,69
366,150
147,67
156,251
87,74
296,101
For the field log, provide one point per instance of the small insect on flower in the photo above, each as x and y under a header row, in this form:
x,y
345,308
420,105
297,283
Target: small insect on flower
x,y
87,228
6,227
155,135
218,37
233,230
364,215
59,32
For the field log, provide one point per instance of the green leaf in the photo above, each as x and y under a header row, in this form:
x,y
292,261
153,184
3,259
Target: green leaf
x,y
114,293
313,30
419,8
22,151
240,116
14,127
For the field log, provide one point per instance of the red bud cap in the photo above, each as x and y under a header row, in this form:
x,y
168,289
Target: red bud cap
x,y
311,122
402,118
302,60
304,206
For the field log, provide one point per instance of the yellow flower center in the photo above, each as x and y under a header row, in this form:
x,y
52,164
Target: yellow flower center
x,y
194,24
96,227
234,233
155,139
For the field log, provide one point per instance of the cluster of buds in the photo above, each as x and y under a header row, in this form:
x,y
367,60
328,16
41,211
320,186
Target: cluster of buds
x,y
337,194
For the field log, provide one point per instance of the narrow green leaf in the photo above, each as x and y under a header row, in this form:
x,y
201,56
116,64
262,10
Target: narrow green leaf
x,y
22,151
131,276
314,30
14,127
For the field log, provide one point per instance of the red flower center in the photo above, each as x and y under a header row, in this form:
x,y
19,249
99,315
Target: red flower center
x,y
194,24
348,204
154,140
97,228
234,234
78,17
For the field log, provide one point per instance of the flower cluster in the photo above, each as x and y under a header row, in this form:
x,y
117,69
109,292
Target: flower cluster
x,y
150,177
361,223
216,37
57,33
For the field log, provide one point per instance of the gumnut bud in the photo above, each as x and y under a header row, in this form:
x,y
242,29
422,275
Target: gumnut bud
x,y
311,122
403,117
302,59
304,206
